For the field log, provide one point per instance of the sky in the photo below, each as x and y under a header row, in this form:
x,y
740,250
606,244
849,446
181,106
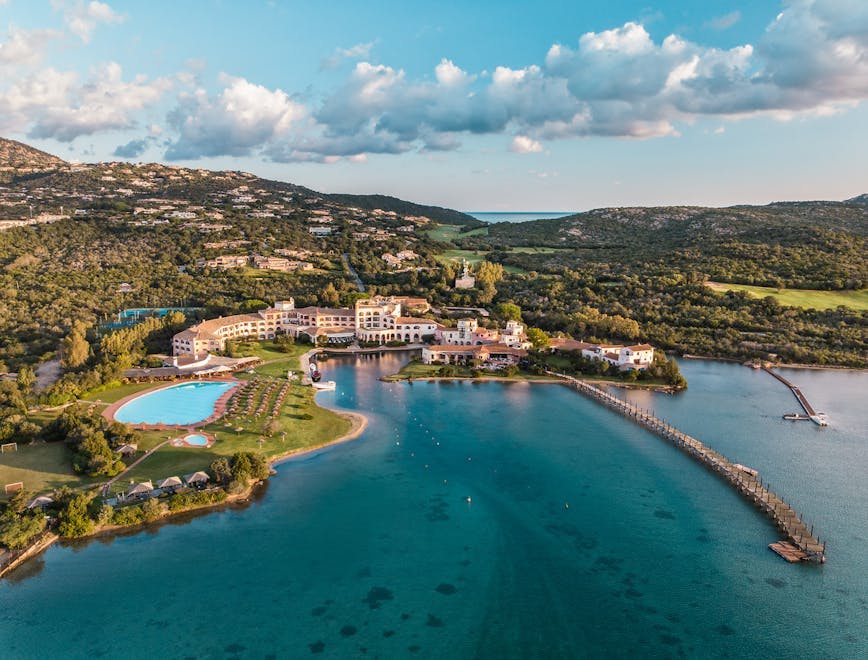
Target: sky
x,y
485,105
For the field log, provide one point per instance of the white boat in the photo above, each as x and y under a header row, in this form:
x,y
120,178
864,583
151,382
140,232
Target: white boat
x,y
328,385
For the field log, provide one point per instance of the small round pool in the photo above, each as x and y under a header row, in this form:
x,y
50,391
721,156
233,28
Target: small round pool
x,y
178,405
196,439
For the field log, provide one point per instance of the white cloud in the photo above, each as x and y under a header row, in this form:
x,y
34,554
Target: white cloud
x,y
521,144
724,22
82,17
812,59
55,104
24,47
357,52
242,116
449,75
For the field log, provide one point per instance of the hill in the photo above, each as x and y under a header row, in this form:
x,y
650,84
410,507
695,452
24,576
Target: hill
x,y
386,203
18,159
685,226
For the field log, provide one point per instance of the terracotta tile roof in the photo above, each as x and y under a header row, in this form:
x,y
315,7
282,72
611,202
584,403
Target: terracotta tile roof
x,y
641,347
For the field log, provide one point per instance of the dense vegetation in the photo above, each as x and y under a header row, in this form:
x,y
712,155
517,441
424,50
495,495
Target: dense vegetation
x,y
402,207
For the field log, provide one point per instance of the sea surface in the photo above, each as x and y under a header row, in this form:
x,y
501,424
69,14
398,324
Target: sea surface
x,y
499,216
492,520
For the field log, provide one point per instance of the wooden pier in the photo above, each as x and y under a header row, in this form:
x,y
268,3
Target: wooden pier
x,y
800,543
812,415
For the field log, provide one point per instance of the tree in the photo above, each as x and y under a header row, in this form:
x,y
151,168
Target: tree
x,y
74,518
26,380
538,338
75,347
241,467
507,311
17,529
329,295
151,510
221,470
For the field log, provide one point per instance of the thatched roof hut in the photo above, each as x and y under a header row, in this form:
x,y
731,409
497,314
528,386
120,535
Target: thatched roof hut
x,y
143,488
196,478
170,482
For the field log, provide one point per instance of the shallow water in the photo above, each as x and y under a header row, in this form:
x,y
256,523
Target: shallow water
x,y
493,520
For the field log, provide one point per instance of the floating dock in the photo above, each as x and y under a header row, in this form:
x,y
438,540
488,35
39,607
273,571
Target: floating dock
x,y
800,543
810,413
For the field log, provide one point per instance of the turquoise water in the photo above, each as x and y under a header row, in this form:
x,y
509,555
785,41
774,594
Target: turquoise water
x,y
524,216
187,403
196,439
583,536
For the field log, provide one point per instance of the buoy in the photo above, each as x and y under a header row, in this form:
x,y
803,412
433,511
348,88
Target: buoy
x,y
566,505
469,500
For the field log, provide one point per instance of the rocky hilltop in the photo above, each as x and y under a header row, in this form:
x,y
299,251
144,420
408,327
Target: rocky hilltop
x,y
20,160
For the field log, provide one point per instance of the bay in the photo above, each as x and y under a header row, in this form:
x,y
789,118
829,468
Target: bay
x,y
516,216
492,520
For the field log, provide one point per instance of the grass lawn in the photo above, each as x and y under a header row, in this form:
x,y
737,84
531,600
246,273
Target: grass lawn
x,y
118,392
42,467
807,298
538,250
449,233
473,257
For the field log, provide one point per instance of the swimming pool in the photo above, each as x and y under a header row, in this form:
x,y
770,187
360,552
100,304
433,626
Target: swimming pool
x,y
196,439
186,403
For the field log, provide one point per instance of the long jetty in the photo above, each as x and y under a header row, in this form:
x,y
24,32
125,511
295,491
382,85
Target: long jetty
x,y
809,410
800,543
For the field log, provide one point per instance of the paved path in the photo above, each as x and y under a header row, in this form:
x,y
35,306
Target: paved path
x,y
108,484
345,257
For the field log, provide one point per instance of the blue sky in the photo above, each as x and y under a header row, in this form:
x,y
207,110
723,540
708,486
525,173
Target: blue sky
x,y
478,106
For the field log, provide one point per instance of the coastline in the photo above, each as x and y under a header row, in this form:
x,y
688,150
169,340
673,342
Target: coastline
x,y
651,387
784,365
358,424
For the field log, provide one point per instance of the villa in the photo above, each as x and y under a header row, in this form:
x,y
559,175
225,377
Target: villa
x,y
637,356
468,333
489,356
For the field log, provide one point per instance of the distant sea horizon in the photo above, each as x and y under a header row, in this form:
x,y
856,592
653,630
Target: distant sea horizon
x,y
516,216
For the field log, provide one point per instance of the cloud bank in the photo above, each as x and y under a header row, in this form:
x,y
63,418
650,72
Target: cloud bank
x,y
811,59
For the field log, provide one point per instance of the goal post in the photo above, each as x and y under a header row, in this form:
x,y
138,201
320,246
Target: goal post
x,y
14,487
8,446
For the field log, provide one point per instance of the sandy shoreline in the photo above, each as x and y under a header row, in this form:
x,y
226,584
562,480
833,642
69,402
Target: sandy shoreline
x,y
358,424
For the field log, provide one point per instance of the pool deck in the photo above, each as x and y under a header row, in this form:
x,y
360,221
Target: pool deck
x,y
219,405
181,441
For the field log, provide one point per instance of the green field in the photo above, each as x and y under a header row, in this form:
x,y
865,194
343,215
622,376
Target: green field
x,y
538,250
807,298
449,233
472,257
42,467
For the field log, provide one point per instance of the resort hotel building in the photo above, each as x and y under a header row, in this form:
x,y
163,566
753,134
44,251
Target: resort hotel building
x,y
377,319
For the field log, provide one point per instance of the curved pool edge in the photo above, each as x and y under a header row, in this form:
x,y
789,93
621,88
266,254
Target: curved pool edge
x,y
218,410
